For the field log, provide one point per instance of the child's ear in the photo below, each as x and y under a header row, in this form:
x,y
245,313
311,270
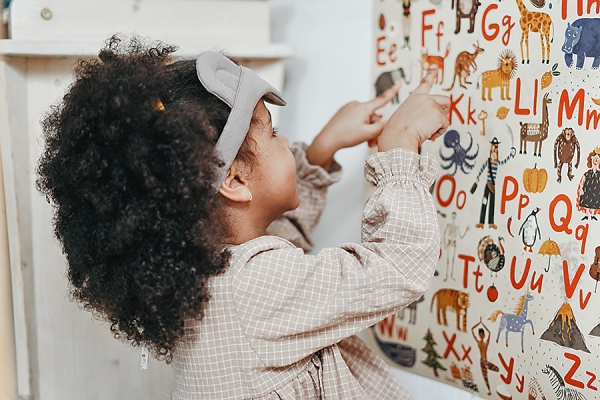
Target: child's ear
x,y
235,186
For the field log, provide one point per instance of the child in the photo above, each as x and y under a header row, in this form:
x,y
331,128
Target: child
x,y
166,179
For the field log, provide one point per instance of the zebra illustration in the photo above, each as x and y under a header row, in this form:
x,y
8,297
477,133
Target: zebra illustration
x,y
558,384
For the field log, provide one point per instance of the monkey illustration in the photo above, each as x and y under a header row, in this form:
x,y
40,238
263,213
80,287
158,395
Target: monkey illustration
x,y
466,9
564,150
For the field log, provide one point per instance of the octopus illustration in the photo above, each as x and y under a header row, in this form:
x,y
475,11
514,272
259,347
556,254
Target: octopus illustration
x,y
460,157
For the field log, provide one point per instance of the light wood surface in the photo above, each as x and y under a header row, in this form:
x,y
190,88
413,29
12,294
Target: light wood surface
x,y
12,113
60,351
22,48
219,22
8,372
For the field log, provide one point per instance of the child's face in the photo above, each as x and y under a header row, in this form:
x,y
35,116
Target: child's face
x,y
273,182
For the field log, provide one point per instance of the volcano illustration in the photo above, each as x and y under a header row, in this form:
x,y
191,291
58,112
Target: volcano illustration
x,y
563,330
595,331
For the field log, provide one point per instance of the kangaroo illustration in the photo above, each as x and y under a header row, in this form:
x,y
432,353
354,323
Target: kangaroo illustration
x,y
462,67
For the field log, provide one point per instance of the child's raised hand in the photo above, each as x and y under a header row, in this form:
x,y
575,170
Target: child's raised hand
x,y
420,117
353,124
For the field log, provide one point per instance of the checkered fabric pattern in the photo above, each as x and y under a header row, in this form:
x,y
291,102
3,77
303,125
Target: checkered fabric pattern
x,y
280,322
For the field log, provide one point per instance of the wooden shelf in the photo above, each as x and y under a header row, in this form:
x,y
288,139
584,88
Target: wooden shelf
x,y
17,48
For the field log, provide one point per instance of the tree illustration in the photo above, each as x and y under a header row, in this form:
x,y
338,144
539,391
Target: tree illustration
x,y
432,355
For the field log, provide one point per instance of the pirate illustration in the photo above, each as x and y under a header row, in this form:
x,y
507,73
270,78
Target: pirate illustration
x,y
489,195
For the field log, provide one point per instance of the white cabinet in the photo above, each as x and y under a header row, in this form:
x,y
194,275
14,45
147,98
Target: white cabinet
x,y
61,352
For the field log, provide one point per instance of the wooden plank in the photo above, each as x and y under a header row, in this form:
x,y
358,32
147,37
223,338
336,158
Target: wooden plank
x,y
77,357
8,363
19,48
220,22
9,81
62,351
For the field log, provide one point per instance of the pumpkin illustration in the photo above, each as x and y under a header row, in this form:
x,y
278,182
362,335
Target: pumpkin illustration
x,y
535,179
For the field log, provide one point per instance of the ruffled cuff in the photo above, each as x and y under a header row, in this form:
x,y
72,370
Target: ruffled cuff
x,y
400,165
313,175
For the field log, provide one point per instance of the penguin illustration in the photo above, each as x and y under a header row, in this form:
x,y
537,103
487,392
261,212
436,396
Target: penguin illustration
x,y
530,230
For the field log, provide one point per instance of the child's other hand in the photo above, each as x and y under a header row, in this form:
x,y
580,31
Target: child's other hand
x,y
420,117
353,124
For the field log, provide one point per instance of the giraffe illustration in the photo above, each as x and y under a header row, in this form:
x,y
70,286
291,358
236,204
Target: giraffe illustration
x,y
539,22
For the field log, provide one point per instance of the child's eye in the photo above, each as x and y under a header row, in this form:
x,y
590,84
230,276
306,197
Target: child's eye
x,y
275,131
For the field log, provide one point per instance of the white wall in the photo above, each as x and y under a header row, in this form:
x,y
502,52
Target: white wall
x,y
332,67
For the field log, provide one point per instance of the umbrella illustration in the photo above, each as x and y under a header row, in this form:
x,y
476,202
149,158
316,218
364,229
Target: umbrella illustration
x,y
549,248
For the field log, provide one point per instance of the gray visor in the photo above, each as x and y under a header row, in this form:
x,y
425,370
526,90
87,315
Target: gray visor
x,y
241,89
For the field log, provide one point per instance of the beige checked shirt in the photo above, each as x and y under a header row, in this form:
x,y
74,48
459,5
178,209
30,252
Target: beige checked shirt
x,y
281,323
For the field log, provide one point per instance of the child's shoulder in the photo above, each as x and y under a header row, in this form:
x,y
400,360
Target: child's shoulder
x,y
241,254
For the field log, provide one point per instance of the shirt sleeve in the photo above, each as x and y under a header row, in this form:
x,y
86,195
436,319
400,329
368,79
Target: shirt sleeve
x,y
511,155
313,181
483,167
291,304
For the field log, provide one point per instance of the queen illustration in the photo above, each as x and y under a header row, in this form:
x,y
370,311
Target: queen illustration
x,y
588,192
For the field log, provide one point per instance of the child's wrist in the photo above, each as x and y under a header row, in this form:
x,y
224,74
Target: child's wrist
x,y
321,152
404,141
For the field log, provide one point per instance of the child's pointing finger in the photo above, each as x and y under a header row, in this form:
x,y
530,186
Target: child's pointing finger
x,y
384,97
427,82
442,101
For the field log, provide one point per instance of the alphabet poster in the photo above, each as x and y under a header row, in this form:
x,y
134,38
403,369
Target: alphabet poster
x,y
513,311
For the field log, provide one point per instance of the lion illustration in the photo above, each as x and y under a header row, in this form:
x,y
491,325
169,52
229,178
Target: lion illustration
x,y
499,77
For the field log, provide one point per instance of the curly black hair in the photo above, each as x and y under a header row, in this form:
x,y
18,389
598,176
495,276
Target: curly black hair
x,y
129,166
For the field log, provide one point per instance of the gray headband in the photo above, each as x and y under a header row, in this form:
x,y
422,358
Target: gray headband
x,y
241,89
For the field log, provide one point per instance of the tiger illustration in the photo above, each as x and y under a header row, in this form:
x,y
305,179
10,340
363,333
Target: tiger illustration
x,y
455,299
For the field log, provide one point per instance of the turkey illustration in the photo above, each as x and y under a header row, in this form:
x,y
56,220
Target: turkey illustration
x,y
491,254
